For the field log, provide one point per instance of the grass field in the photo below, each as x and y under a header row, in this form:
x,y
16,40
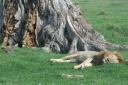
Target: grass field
x,y
109,17
31,66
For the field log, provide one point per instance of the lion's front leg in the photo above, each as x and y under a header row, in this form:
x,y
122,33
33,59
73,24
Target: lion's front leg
x,y
85,64
82,66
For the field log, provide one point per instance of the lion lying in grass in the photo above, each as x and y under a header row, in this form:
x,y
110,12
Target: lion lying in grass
x,y
90,58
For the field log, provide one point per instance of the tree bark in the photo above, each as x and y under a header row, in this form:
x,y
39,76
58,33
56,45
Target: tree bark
x,y
1,21
56,25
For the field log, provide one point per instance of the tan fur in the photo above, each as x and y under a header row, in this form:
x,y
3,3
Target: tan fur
x,y
90,58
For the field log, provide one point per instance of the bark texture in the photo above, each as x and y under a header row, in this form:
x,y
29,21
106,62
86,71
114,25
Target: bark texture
x,y
1,21
55,25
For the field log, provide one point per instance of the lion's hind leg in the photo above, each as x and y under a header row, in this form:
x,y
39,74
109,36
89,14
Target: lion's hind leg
x,y
59,60
68,58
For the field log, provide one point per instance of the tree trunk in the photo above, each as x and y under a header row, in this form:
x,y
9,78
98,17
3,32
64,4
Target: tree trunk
x,y
1,21
56,25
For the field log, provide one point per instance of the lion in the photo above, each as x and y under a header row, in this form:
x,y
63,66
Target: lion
x,y
90,58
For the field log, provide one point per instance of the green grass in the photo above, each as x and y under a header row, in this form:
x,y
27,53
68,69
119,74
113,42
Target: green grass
x,y
31,66
109,17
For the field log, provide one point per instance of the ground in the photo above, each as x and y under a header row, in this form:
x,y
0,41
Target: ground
x,y
31,66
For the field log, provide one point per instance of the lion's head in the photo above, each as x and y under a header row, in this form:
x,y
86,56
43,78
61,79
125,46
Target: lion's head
x,y
111,57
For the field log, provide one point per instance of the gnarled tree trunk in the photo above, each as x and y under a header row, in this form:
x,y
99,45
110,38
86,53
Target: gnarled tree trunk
x,y
56,25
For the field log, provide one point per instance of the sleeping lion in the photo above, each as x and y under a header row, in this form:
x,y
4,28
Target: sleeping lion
x,y
90,58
